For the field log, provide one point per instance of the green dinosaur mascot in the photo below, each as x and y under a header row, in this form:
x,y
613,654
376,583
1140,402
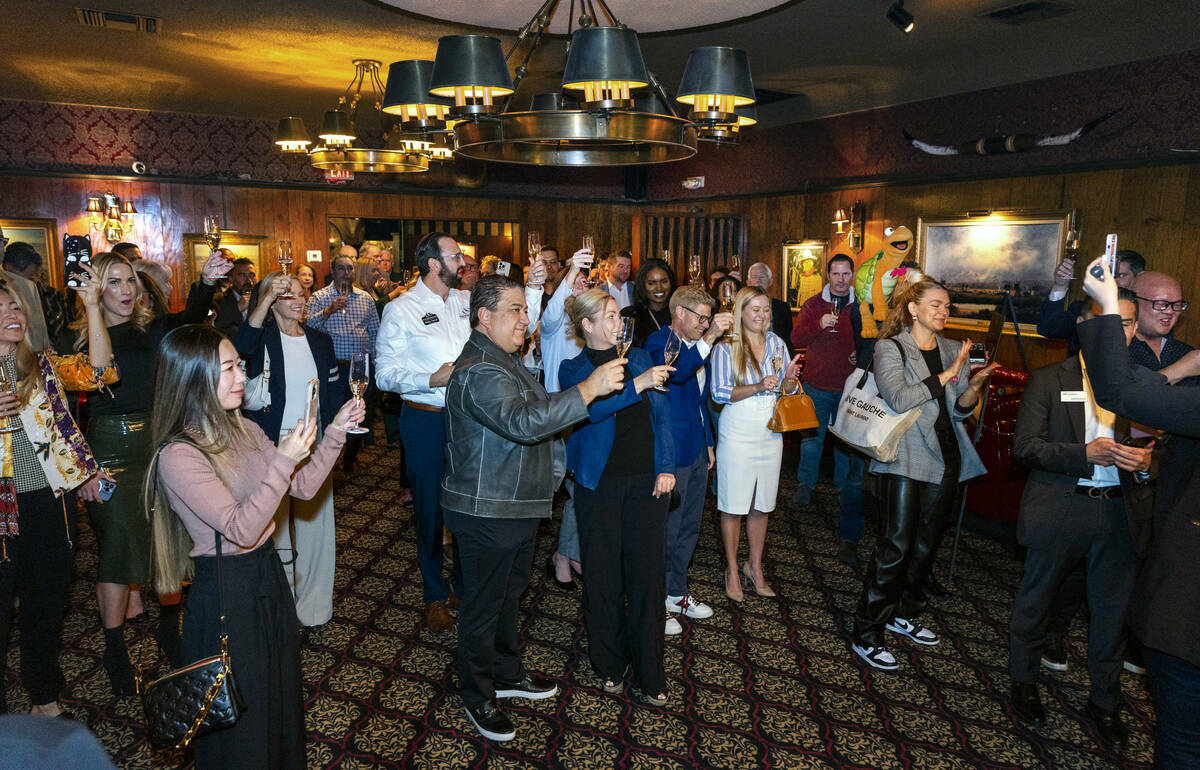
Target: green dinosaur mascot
x,y
876,278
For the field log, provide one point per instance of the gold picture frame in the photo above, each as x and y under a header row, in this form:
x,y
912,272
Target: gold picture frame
x,y
802,269
252,247
982,255
42,235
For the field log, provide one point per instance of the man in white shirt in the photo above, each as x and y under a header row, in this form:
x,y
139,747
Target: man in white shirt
x,y
620,268
422,333
1087,499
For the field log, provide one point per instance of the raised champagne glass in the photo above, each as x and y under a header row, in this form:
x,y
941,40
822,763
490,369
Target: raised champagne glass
x,y
625,336
360,380
670,354
284,253
735,267
212,232
726,294
694,269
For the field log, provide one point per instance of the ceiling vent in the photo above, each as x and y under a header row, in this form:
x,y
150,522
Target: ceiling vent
x,y
1028,12
127,22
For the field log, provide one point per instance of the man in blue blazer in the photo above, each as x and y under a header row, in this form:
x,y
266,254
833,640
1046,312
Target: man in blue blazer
x,y
698,329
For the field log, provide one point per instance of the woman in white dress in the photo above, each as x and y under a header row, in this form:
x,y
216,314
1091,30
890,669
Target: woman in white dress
x,y
746,370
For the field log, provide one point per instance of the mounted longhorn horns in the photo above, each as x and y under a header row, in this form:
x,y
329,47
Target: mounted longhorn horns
x,y
998,145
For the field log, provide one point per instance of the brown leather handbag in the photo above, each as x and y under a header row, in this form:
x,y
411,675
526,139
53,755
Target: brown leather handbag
x,y
793,411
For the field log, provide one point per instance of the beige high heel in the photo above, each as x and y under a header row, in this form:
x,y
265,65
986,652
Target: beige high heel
x,y
737,595
765,590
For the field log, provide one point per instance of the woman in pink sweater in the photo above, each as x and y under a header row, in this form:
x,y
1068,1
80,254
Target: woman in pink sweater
x,y
217,484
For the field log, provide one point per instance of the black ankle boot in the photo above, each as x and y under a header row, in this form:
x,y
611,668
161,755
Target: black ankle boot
x,y
116,662
167,634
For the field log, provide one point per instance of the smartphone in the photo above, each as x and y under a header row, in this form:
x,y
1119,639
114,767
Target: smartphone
x,y
505,269
313,390
978,355
107,488
77,250
1110,252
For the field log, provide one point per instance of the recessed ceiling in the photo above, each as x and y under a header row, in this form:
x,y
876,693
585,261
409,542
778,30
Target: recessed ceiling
x,y
653,16
267,59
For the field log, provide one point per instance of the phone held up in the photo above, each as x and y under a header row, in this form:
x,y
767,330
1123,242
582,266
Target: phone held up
x,y
1110,257
312,414
77,250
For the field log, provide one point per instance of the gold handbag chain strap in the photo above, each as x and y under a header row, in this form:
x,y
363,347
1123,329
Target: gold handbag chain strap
x,y
209,697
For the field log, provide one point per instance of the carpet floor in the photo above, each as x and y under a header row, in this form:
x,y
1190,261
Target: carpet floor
x,y
769,683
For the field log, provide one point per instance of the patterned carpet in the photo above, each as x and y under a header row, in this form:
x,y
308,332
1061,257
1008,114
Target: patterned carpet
x,y
767,684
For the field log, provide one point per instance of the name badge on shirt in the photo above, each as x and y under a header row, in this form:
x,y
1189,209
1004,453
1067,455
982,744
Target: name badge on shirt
x,y
1073,397
429,319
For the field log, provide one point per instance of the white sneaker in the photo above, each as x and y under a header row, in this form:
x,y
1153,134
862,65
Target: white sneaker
x,y
673,628
877,657
688,607
912,628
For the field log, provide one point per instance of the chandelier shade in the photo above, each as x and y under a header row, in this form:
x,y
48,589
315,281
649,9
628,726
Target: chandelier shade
x,y
470,66
407,96
554,100
337,129
292,135
716,80
605,63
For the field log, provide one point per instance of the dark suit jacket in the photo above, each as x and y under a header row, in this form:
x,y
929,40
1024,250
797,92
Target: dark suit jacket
x,y
251,342
1057,322
693,433
229,319
781,322
1165,611
1051,439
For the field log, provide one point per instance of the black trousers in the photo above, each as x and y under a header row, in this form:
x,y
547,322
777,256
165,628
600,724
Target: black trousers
x,y
896,584
496,555
37,570
1096,531
622,537
264,652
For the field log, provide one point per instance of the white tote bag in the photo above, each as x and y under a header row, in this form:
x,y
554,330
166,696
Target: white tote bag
x,y
866,422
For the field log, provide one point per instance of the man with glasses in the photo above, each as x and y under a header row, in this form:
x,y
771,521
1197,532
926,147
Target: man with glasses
x,y
421,335
1057,320
693,322
1160,305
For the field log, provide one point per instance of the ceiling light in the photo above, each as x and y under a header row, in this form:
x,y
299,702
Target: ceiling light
x,y
604,67
408,117
900,17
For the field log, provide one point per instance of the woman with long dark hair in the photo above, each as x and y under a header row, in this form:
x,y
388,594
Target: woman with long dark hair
x,y
623,458
916,368
38,489
117,434
214,487
652,289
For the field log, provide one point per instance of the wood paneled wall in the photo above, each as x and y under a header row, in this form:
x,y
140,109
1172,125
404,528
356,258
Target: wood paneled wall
x,y
1155,210
168,210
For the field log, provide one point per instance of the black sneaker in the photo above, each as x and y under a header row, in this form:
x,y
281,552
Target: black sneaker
x,y
491,721
533,687
1054,653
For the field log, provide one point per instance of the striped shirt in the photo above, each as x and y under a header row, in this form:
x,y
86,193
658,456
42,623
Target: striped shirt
x,y
353,328
720,365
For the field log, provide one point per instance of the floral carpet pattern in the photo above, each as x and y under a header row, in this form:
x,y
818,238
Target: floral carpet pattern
x,y
769,683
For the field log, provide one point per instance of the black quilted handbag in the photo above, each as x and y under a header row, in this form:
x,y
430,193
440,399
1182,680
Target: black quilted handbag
x,y
196,699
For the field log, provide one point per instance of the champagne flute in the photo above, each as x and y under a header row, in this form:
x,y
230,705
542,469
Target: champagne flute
x,y
735,267
284,250
777,366
625,336
666,256
360,379
726,292
670,354
212,232
534,245
835,310
694,269
589,276
8,424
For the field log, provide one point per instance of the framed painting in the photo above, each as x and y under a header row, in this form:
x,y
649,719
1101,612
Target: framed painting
x,y
252,247
42,235
802,270
979,258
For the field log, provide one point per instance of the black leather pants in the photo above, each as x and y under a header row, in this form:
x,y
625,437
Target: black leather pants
x,y
912,514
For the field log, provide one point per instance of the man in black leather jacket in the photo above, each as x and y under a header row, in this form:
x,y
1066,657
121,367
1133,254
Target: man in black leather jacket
x,y
503,463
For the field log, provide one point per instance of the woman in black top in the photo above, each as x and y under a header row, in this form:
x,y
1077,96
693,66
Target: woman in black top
x,y
117,434
652,289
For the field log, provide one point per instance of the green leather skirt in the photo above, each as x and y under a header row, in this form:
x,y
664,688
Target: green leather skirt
x,y
121,444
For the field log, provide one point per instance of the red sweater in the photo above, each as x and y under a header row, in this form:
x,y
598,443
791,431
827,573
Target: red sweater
x,y
828,362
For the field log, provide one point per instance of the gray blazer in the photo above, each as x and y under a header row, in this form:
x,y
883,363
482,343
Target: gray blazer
x,y
909,384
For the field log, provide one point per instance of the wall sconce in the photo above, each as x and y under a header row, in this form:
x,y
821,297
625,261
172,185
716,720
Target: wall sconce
x,y
110,216
851,227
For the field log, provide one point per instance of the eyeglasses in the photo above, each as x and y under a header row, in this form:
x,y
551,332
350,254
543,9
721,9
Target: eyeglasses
x,y
457,255
705,318
1162,305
